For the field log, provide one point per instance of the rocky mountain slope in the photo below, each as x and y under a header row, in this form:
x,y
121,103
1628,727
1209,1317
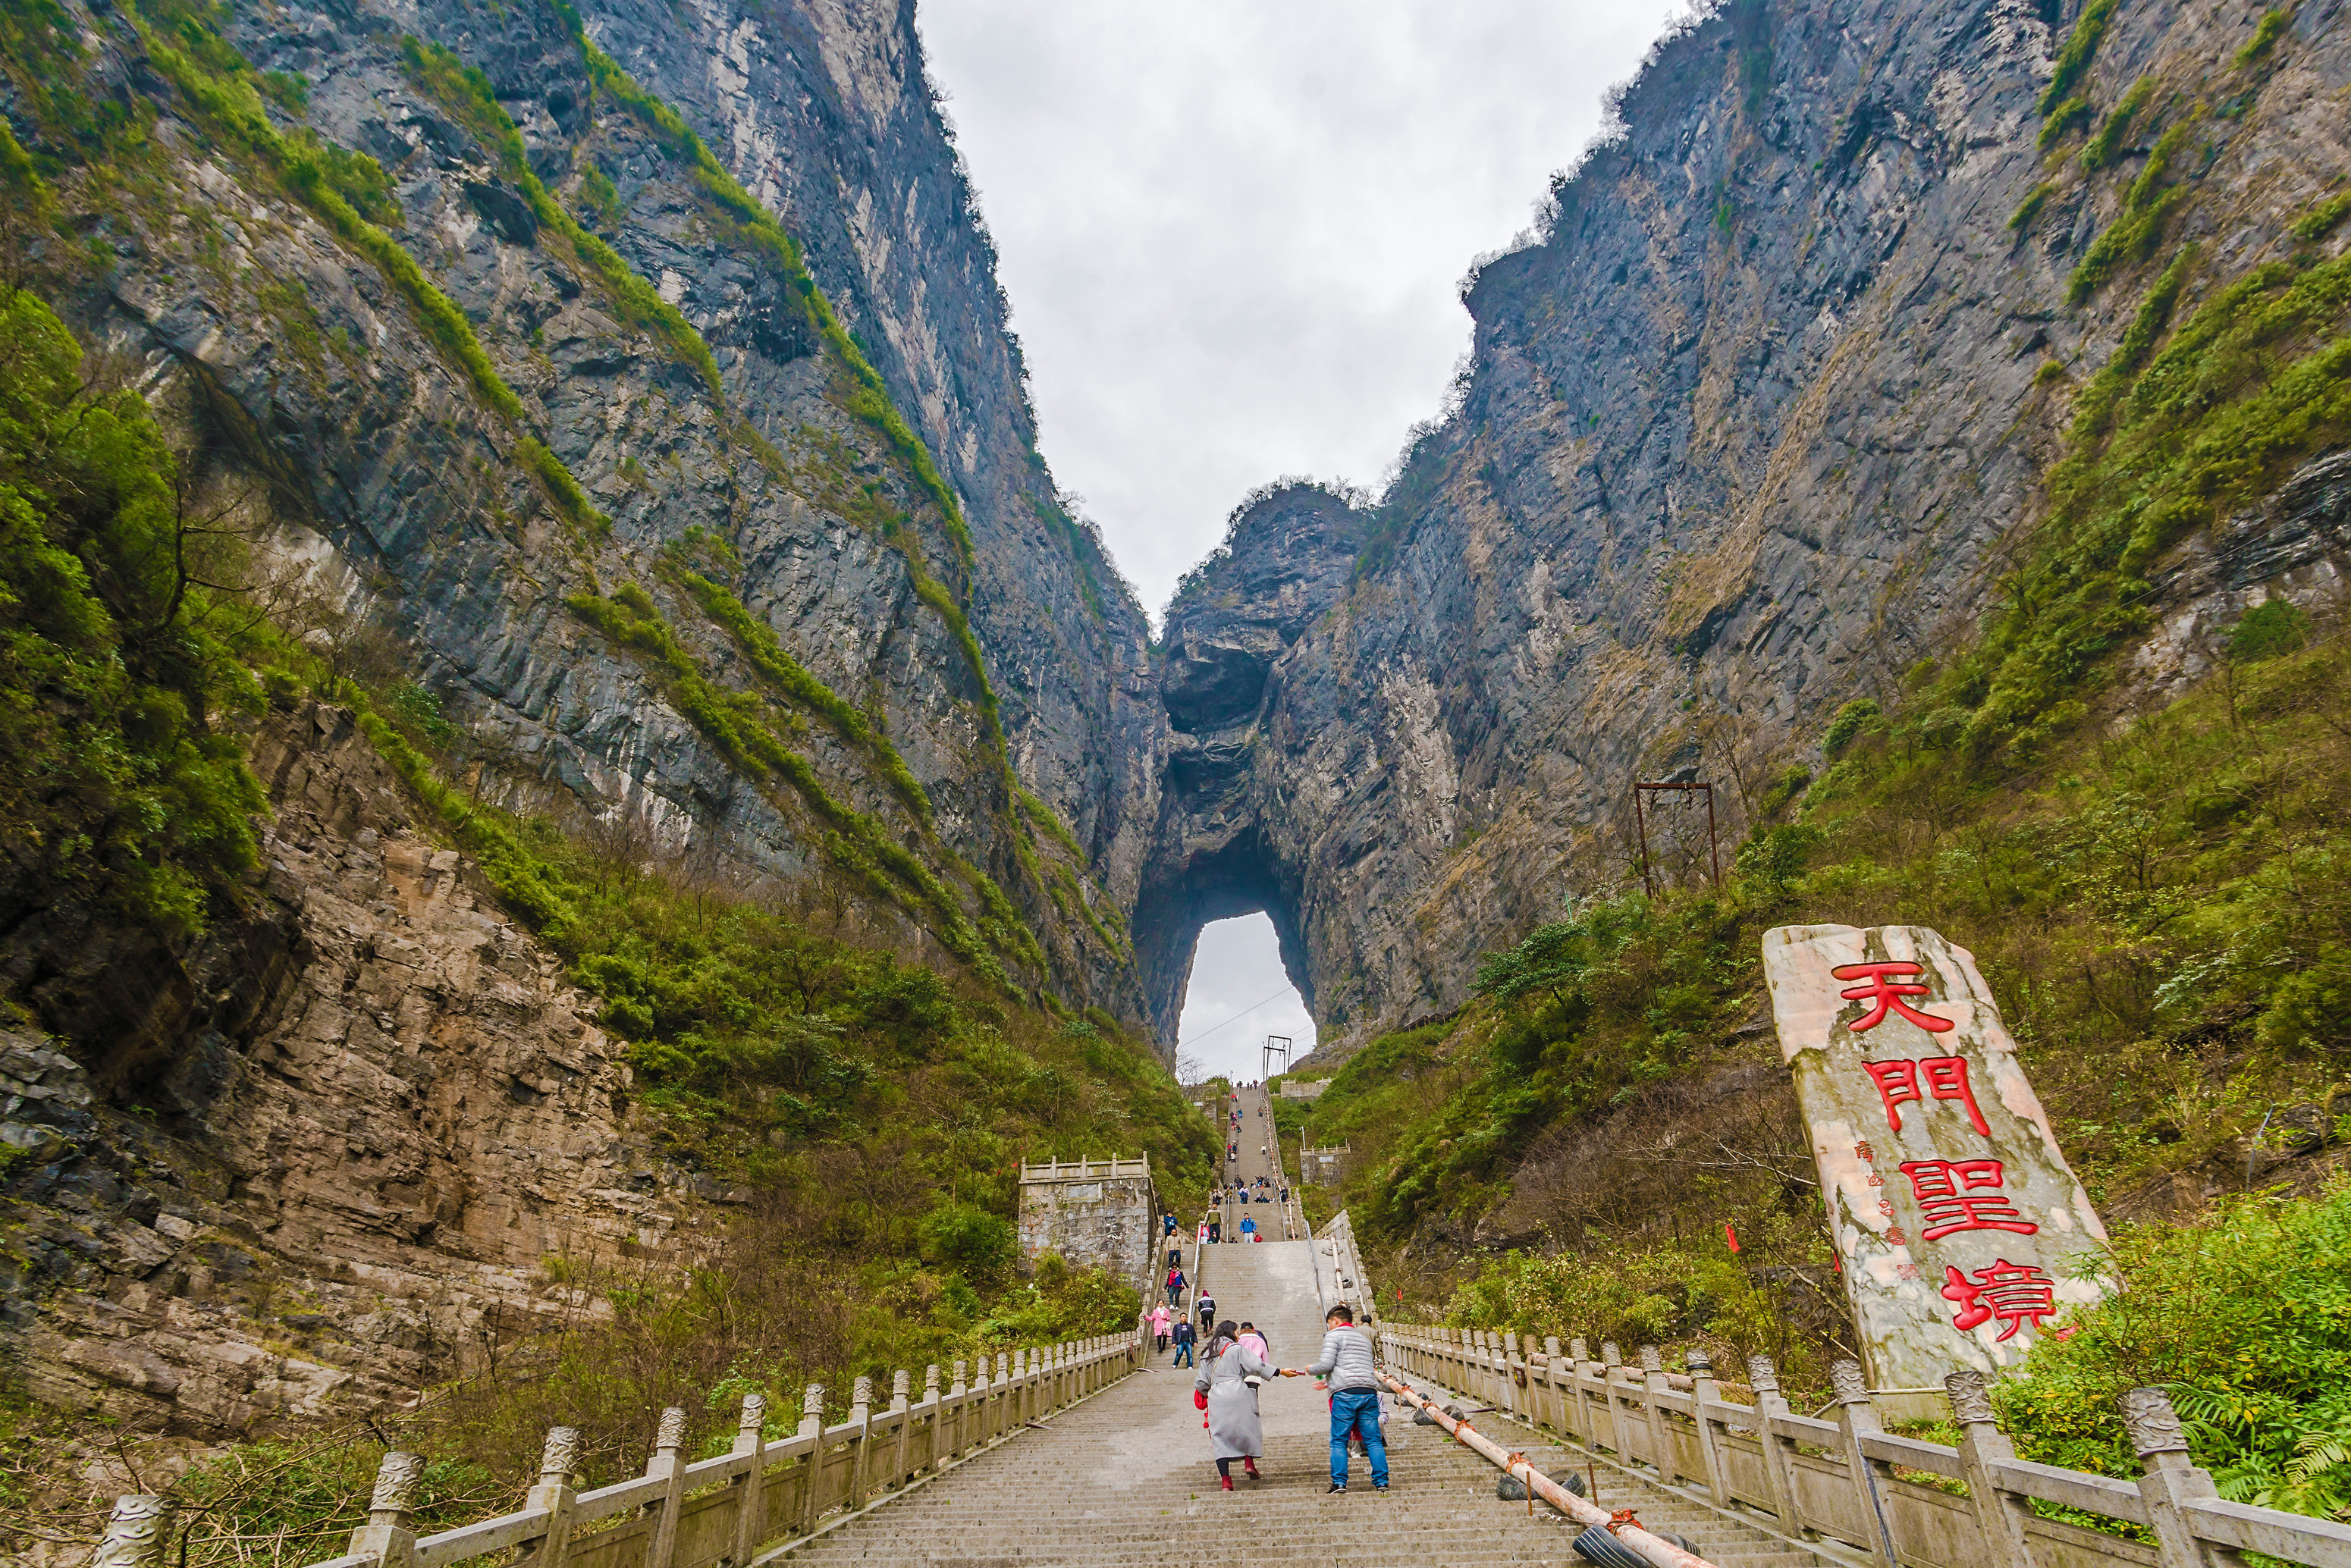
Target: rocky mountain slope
x,y
385,1112
620,397
1757,426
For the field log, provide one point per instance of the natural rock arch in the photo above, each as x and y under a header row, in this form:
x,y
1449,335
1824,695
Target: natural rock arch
x,y
1221,848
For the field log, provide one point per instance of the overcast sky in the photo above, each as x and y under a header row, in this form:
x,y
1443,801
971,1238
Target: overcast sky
x,y
1232,232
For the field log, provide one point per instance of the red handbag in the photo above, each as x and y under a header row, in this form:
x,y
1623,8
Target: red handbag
x,y
1199,1399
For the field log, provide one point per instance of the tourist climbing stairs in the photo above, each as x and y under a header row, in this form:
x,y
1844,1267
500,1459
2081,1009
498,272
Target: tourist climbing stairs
x,y
1127,1478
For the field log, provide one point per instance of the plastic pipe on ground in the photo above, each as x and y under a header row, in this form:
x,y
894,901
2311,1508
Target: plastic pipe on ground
x,y
1662,1554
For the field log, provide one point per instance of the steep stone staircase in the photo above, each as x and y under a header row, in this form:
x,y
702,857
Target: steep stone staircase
x,y
1126,1477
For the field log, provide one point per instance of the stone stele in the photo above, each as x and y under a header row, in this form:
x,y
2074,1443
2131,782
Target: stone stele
x,y
1963,1232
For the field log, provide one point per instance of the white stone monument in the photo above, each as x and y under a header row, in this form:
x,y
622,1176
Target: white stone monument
x,y
1956,1219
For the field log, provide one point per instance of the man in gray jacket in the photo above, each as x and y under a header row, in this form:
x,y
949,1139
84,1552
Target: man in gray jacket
x,y
1346,1362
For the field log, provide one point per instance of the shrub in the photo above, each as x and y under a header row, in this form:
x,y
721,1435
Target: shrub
x,y
2266,33
2030,208
2246,1320
115,660
2064,121
2106,145
2080,45
1862,713
2273,627
969,1238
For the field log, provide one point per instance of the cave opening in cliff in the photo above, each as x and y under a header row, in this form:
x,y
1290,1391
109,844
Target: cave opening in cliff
x,y
1218,946
1240,992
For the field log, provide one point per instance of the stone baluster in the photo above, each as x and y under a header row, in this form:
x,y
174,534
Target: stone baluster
x,y
1664,1455
1553,1371
1858,1418
1779,1468
931,1427
899,1406
668,1463
812,1465
559,1463
750,1440
2000,1517
1578,1353
386,1536
138,1533
961,1394
1704,1391
2168,1478
1611,1363
860,1415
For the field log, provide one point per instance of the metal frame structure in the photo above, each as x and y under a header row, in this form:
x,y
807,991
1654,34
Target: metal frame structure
x,y
1641,827
1275,1045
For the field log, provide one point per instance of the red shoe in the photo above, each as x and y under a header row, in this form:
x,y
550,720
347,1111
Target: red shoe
x,y
1226,1482
1251,1466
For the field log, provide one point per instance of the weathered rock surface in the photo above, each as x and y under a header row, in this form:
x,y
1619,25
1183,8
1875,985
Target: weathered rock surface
x,y
1749,431
351,1193
300,369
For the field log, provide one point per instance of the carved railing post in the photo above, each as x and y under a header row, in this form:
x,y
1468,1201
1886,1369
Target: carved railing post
x,y
559,1464
1612,1394
1006,1400
386,1536
1858,1418
931,1401
1999,1517
860,1415
899,1407
1662,1450
2169,1478
1703,1393
138,1533
1778,1468
1587,1430
961,1394
751,1506
811,1495
667,1463
1553,1367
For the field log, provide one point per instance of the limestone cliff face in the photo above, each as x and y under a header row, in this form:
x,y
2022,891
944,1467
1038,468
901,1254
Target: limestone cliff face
x,y
1751,430
345,1179
305,371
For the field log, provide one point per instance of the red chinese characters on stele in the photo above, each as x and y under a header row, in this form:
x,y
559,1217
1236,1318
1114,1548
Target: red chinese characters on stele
x,y
1963,1195
1886,994
1952,1196
1946,1079
2018,1294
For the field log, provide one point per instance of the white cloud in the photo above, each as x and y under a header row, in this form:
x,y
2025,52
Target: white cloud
x,y
1232,230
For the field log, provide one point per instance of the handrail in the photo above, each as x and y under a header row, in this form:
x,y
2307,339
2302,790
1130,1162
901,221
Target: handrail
x,y
1656,1549
1844,1479
775,1493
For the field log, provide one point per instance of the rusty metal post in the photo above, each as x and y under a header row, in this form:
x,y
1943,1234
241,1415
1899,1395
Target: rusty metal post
x,y
1713,857
1641,828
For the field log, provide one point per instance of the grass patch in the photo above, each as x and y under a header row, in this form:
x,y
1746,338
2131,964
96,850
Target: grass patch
x,y
2106,144
2080,46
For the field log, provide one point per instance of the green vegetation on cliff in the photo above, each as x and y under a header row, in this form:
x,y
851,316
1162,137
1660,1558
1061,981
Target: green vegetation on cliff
x,y
121,654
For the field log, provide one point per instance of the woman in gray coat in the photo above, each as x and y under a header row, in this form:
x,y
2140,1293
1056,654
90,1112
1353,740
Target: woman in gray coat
x,y
1233,1428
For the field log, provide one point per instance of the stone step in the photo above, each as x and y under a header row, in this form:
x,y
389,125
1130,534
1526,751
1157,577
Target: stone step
x,y
1124,1480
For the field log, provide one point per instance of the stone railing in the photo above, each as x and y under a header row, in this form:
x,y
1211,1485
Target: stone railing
x,y
748,1505
1085,1170
1346,1280
1837,1479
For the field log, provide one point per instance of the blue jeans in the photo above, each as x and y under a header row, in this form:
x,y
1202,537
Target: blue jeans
x,y
1357,1410
1183,1355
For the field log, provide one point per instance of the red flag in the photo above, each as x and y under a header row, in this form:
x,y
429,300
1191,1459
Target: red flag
x,y
1731,1236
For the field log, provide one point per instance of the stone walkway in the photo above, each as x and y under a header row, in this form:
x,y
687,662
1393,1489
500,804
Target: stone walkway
x,y
1126,1478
